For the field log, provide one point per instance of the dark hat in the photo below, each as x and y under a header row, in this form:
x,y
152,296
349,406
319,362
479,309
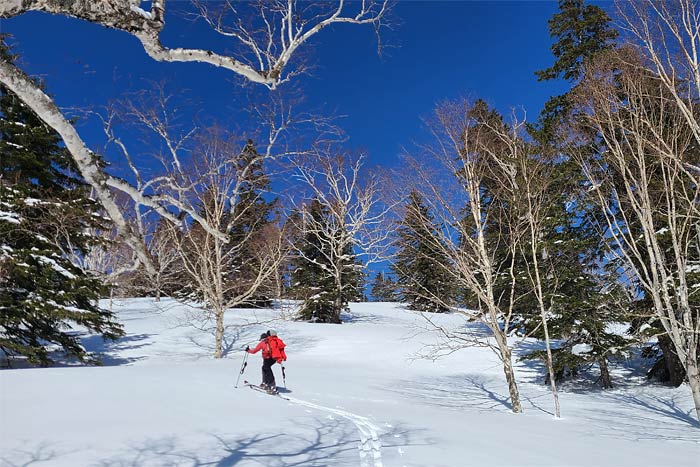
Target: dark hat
x,y
263,336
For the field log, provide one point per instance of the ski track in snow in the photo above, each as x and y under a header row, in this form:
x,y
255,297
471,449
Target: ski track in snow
x,y
370,445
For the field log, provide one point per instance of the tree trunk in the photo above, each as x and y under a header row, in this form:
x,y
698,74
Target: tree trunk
x,y
694,381
534,232
674,371
510,378
605,378
507,360
339,294
550,368
219,342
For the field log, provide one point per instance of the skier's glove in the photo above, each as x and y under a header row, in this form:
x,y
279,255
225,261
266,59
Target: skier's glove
x,y
247,348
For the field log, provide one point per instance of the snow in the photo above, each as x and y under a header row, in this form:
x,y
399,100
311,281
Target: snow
x,y
10,217
64,307
41,238
141,12
32,201
580,349
357,397
55,266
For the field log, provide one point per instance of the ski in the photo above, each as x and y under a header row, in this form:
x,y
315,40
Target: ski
x,y
263,390
255,386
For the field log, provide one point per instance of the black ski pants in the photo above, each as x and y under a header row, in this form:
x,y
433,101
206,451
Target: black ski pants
x,y
267,374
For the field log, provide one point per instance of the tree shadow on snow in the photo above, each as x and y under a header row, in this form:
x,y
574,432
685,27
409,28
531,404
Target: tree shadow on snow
x,y
666,406
465,391
108,351
42,453
631,394
319,443
629,372
457,391
234,339
364,317
647,415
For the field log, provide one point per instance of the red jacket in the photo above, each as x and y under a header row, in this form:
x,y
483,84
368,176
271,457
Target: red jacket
x,y
265,347
272,347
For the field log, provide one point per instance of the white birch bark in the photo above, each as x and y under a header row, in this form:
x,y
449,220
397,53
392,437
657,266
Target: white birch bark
x,y
265,43
27,90
210,261
655,189
452,175
265,56
358,216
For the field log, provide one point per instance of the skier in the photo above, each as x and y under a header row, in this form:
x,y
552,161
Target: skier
x,y
272,352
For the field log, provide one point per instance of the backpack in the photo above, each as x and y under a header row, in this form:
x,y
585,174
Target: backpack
x,y
277,346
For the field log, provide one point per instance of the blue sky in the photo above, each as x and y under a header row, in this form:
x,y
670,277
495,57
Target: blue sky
x,y
437,50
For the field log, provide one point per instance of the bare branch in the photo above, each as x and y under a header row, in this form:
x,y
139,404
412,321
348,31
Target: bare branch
x,y
266,42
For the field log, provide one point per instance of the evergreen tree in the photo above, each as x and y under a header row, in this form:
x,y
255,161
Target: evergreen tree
x,y
581,32
582,292
383,288
593,290
251,216
327,280
45,212
420,268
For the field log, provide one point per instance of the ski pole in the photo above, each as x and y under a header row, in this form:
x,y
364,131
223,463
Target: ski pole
x,y
245,363
284,378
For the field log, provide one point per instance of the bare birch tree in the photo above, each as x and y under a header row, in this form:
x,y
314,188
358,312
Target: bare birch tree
x,y
354,222
532,178
266,36
646,180
167,268
667,33
468,183
209,261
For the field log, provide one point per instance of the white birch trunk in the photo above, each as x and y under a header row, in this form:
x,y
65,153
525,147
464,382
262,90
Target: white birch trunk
x,y
694,382
507,359
43,106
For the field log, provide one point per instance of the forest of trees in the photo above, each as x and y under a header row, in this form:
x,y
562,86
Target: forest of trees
x,y
566,229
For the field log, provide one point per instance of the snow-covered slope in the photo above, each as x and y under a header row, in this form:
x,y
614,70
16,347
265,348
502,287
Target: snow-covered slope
x,y
357,397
